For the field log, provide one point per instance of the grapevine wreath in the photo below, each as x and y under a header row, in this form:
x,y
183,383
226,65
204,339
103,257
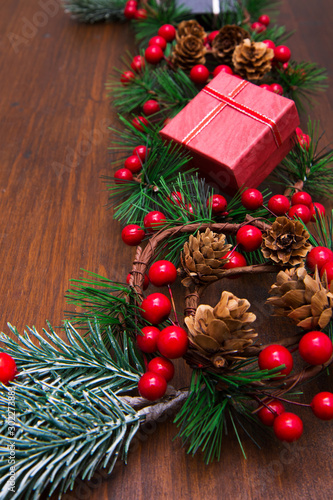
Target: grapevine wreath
x,y
80,402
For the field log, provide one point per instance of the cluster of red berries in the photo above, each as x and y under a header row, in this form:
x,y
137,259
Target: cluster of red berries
x,y
154,53
171,342
303,139
132,165
300,206
131,10
262,23
322,258
315,348
8,368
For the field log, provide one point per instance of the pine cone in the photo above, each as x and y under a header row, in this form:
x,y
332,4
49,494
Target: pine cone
x,y
225,42
252,60
191,27
221,333
307,301
202,257
287,242
189,49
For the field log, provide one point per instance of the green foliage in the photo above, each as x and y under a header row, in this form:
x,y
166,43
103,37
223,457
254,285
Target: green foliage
x,y
311,166
324,231
277,34
111,303
173,89
159,13
257,7
301,81
70,419
93,11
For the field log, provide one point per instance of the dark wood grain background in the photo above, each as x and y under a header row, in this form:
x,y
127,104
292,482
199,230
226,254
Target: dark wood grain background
x,y
54,140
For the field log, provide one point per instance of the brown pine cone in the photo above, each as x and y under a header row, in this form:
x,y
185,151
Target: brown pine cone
x,y
225,42
189,51
305,300
286,242
191,27
252,60
203,257
221,333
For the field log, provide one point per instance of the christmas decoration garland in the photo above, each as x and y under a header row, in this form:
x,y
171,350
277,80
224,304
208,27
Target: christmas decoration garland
x,y
80,402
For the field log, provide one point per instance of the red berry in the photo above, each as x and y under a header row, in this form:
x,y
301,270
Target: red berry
x,y
252,199
274,356
130,11
328,270
8,368
133,3
288,427
199,74
141,14
277,88
168,32
264,19
268,413
282,54
141,152
172,342
154,54
163,367
224,68
301,197
154,221
133,163
317,211
151,107
147,342
270,44
212,35
265,86
278,204
218,203
156,308
315,348
258,27
318,256
145,281
249,237
236,259
138,64
158,40
301,212
162,272
126,77
139,122
132,235
176,197
123,175
322,405
285,66
152,386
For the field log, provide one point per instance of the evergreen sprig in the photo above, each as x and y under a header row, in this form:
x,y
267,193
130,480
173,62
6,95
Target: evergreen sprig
x,y
69,419
278,34
112,304
93,11
308,167
257,7
159,13
300,81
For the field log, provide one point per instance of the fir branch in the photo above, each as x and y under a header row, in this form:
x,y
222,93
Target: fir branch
x,y
159,13
324,231
87,364
309,168
277,34
301,81
111,303
93,11
257,7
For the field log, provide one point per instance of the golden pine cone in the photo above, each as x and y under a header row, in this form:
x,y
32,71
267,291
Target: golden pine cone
x,y
191,27
189,51
221,333
305,300
252,60
203,257
286,242
225,42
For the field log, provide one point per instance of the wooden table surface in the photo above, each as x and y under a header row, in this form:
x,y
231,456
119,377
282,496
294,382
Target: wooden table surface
x,y
54,140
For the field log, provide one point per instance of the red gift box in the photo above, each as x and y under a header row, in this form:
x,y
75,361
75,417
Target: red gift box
x,y
236,132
